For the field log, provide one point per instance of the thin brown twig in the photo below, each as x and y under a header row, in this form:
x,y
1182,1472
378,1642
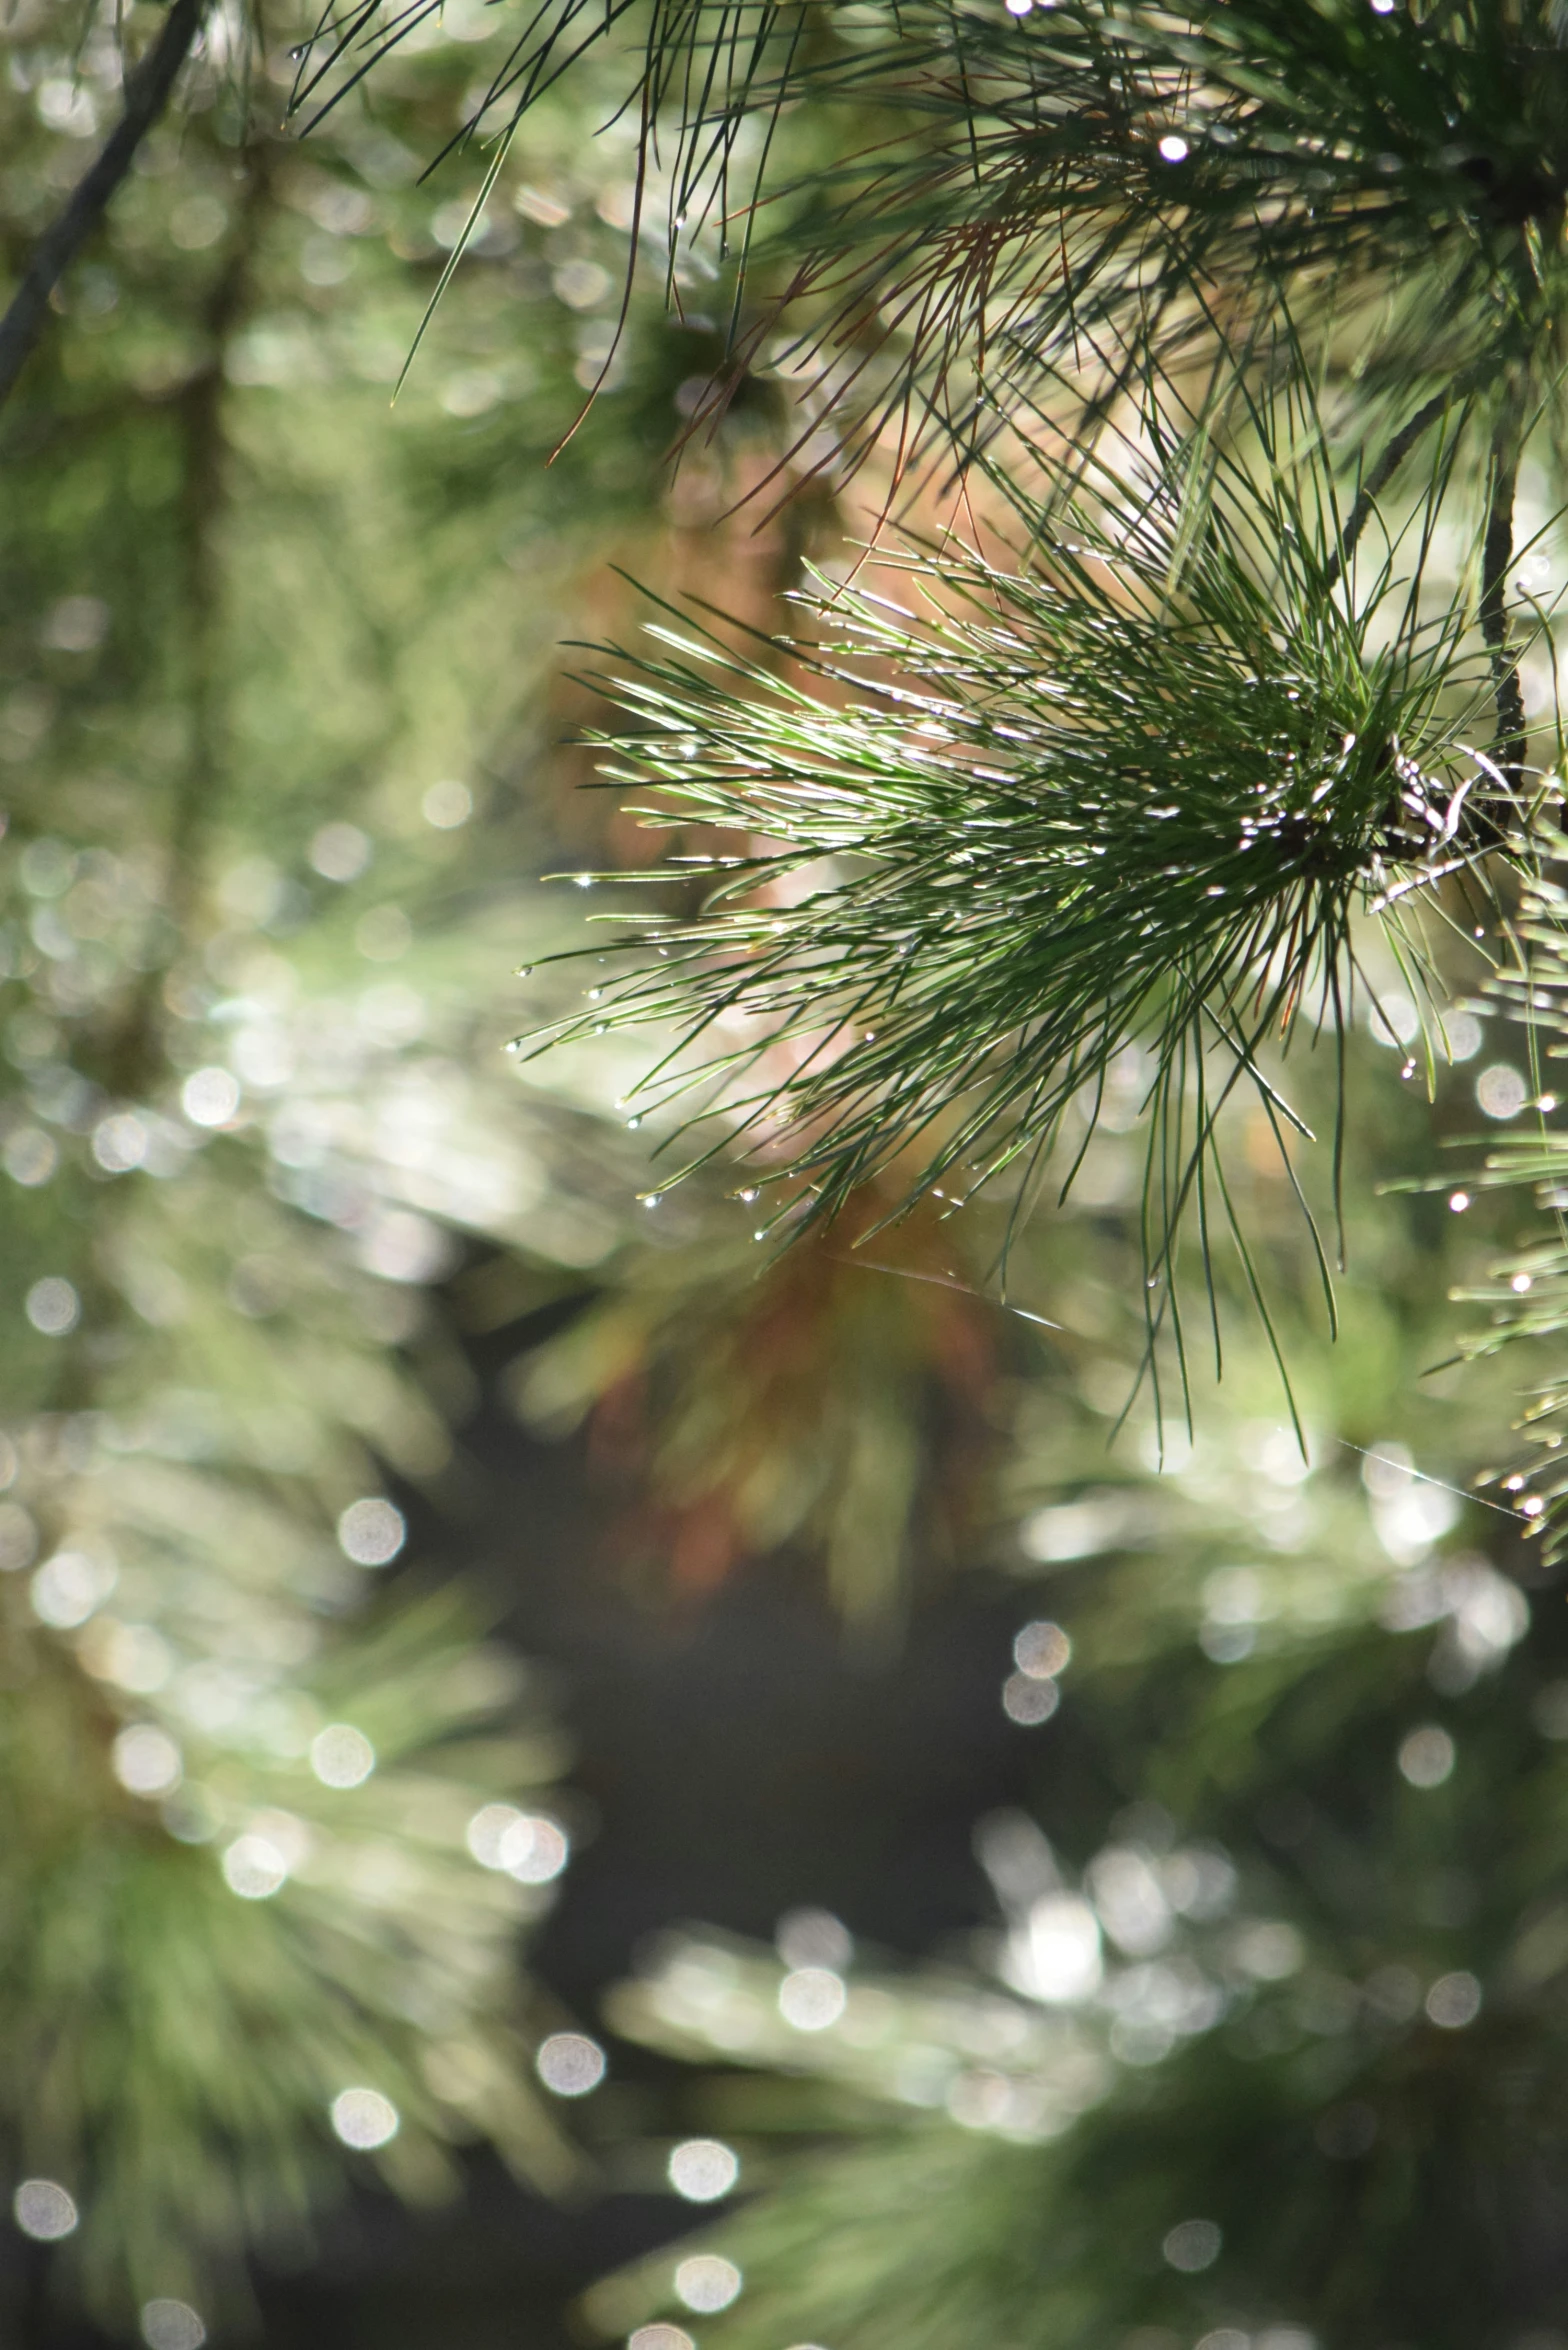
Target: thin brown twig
x,y
1467,381
1497,553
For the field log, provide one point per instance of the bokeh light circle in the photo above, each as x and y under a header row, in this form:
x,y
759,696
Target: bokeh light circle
x,y
342,1756
372,1532
53,1307
812,1998
44,2210
706,2282
1192,2245
146,1760
703,2169
363,2118
1454,2001
570,2064
171,2325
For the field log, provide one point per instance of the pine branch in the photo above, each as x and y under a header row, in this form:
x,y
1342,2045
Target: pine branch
x,y
147,91
983,199
133,1056
1126,794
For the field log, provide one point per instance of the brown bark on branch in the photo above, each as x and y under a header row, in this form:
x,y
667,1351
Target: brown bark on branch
x,y
1496,556
1464,384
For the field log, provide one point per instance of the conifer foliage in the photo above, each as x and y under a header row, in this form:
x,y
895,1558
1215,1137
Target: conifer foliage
x,y
1129,788
1242,328
253,1945
1200,370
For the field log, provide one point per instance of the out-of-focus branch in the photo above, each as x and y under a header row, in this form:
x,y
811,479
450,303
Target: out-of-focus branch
x,y
147,91
198,404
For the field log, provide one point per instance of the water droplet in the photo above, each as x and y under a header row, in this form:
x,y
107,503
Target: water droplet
x,y
748,1195
632,1124
1408,1070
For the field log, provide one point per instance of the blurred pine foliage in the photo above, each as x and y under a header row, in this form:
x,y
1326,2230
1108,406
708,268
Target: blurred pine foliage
x,y
269,665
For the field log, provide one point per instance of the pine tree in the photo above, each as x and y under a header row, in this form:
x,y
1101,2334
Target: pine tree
x,y
1197,376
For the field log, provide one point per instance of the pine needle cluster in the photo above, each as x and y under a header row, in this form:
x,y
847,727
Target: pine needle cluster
x,y
1090,184
1129,789
962,233
933,201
